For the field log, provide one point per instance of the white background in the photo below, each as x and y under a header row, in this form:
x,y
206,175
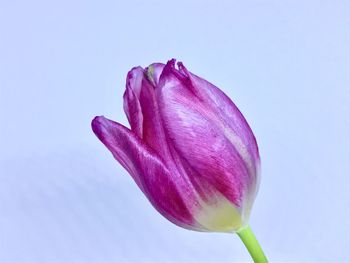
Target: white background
x,y
63,198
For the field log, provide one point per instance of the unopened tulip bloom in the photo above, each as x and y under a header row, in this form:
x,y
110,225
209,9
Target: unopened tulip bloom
x,y
189,150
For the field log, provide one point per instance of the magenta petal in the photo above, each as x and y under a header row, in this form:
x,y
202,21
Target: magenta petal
x,y
222,106
141,107
201,140
132,106
152,129
172,198
153,72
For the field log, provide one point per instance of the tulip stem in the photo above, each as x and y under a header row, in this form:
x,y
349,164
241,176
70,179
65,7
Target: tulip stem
x,y
247,236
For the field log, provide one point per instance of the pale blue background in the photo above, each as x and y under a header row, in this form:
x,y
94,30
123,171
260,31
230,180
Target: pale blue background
x,y
62,196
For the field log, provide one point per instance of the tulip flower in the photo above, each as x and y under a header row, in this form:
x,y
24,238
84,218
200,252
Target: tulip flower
x,y
189,150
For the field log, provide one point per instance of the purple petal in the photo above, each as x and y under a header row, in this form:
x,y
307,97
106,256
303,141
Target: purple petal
x,y
132,106
221,105
201,139
153,72
141,108
169,193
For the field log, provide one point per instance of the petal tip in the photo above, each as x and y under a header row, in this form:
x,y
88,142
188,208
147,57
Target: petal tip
x,y
96,124
170,65
183,70
171,62
170,69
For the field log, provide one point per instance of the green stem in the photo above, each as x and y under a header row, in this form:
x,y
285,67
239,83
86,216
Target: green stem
x,y
247,236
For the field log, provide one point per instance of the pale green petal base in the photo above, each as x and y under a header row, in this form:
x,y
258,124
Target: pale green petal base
x,y
247,236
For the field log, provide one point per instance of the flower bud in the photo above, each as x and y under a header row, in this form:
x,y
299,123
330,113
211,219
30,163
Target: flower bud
x,y
189,149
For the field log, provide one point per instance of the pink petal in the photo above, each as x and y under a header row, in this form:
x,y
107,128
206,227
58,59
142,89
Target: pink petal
x,y
200,139
132,106
141,107
220,104
153,72
169,193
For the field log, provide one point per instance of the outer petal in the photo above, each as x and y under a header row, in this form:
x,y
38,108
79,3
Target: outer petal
x,y
132,106
170,196
221,105
238,129
207,145
141,107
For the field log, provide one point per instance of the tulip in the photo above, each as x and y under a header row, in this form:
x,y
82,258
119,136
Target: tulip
x,y
189,150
